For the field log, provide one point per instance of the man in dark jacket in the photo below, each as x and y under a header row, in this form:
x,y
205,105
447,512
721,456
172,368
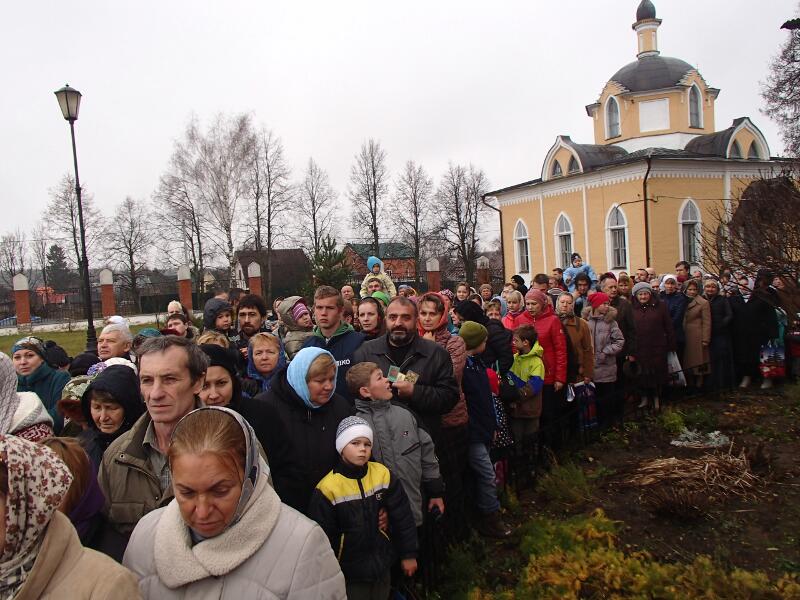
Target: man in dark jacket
x,y
427,386
333,334
498,353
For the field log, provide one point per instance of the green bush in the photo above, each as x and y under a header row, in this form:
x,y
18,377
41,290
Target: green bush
x,y
671,421
700,419
579,558
564,484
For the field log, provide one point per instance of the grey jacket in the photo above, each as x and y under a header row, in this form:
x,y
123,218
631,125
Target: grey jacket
x,y
607,340
406,448
291,334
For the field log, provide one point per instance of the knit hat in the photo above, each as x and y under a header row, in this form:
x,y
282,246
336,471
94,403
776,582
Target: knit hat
x,y
537,296
641,286
599,298
473,333
298,310
448,294
382,297
349,429
31,343
573,257
81,363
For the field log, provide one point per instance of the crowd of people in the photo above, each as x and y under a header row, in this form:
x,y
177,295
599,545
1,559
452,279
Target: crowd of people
x,y
302,451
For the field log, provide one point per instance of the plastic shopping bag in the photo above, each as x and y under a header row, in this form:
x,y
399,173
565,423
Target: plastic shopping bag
x,y
676,376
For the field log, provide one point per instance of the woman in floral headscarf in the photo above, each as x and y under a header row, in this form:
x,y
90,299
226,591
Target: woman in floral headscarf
x,y
41,555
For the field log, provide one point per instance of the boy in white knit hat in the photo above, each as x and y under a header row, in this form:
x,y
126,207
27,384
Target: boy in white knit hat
x,y
346,504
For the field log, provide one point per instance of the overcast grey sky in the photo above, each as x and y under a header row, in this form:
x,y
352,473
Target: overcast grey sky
x,y
490,83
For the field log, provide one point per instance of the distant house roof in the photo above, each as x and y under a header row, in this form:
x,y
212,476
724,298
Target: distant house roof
x,y
386,250
282,258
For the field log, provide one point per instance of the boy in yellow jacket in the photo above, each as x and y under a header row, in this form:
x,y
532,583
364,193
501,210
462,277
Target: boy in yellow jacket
x,y
527,373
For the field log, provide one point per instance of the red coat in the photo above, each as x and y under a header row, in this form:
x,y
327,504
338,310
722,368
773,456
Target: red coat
x,y
553,342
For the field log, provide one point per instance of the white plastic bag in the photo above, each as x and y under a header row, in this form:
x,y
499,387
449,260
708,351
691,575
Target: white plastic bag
x,y
676,376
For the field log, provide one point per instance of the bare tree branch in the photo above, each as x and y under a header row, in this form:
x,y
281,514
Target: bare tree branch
x,y
128,242
316,203
369,180
412,208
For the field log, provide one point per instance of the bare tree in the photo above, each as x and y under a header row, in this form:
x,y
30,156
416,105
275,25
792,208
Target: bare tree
x,y
38,249
369,180
13,257
760,230
460,196
177,205
412,208
214,169
269,195
781,92
62,218
128,241
316,202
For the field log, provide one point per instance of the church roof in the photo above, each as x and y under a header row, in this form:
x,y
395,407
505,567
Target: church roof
x,y
652,73
715,144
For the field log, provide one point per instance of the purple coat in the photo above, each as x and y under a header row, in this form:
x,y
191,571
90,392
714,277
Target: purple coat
x,y
607,341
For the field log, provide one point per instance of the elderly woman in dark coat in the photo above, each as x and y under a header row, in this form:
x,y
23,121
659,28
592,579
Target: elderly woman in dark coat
x,y
654,339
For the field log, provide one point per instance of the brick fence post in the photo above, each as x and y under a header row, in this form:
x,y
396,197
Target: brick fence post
x,y
107,300
254,278
484,276
185,287
433,276
22,300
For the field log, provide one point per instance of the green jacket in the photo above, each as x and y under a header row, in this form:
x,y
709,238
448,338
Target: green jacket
x,y
47,383
131,487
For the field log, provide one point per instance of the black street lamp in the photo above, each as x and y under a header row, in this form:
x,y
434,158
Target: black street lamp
x,y
69,100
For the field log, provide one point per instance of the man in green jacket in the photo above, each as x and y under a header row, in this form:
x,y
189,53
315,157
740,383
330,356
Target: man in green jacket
x,y
134,475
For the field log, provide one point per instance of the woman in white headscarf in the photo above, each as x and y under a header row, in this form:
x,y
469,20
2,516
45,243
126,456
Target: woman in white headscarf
x,y
41,556
226,534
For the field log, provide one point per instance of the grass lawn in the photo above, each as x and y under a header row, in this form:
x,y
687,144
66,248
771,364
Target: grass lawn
x,y
74,342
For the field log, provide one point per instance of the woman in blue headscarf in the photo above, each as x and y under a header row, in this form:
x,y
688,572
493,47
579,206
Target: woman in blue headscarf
x,y
303,405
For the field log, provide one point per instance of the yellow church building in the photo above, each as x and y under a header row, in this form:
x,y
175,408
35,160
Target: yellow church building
x,y
639,195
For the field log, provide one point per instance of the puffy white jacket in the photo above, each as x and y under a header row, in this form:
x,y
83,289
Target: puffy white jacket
x,y
272,552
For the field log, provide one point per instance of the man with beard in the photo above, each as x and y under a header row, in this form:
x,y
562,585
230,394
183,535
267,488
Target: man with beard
x,y
252,314
421,370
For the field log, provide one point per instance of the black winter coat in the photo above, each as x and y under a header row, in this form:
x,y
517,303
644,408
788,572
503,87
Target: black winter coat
x,y
301,444
478,394
626,324
346,504
498,343
435,392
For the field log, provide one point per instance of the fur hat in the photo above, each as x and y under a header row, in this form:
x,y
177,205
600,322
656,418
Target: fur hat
x,y
349,429
474,334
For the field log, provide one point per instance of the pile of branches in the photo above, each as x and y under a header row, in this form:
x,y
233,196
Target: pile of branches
x,y
688,487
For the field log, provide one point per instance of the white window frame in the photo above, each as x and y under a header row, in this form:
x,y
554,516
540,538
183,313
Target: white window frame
x,y
608,121
557,239
522,267
610,239
692,88
698,229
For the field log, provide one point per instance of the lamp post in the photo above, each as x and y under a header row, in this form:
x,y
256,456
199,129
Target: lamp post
x,y
69,100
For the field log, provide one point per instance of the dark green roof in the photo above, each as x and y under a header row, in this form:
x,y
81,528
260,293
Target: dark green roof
x,y
386,250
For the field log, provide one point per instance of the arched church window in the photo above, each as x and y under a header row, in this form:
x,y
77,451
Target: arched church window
x,y
618,238
695,107
752,153
736,150
563,241
612,117
556,172
690,232
521,243
573,166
